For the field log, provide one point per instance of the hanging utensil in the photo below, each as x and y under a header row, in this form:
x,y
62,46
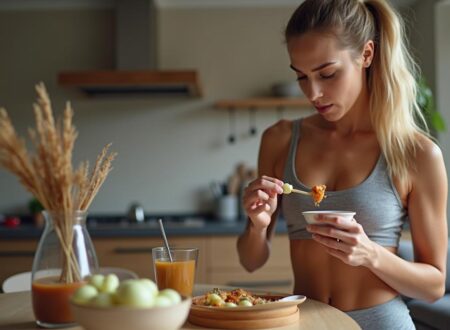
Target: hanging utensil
x,y
252,121
232,121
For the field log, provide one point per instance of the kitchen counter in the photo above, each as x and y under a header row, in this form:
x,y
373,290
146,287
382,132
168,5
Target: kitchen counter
x,y
188,226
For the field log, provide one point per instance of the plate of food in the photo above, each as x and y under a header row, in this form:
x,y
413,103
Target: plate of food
x,y
240,309
239,300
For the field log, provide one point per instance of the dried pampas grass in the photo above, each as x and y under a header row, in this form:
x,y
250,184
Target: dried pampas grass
x,y
48,173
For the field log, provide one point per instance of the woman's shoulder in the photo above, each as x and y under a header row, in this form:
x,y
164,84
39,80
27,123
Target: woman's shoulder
x,y
280,129
429,160
428,150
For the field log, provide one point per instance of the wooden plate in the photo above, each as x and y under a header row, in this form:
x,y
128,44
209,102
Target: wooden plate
x,y
265,307
275,314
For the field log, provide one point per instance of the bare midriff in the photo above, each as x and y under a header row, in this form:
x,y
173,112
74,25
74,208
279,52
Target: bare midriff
x,y
51,300
325,278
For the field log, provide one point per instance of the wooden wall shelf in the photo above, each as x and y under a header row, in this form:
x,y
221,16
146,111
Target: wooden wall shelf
x,y
167,82
263,103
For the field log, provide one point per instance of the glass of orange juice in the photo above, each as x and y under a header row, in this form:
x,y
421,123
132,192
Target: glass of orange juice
x,y
178,274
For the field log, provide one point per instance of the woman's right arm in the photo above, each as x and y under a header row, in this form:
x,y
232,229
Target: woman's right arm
x,y
260,204
260,201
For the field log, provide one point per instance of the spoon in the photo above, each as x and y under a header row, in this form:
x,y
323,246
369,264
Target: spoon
x,y
166,243
287,189
298,191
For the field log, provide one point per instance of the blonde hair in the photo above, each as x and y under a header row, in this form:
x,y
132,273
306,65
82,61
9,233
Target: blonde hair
x,y
391,77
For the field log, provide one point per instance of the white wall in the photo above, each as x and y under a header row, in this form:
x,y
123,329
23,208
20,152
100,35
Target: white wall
x,y
442,29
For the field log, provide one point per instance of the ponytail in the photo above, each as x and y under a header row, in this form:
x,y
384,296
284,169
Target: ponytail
x,y
393,89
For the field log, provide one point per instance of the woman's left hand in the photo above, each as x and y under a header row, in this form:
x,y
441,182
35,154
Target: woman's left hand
x,y
345,240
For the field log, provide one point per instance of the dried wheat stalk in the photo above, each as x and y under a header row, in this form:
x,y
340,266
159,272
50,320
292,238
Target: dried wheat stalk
x,y
48,173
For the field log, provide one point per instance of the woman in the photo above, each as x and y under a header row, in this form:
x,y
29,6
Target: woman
x,y
365,146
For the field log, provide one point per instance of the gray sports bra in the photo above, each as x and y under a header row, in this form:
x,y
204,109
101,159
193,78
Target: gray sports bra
x,y
376,201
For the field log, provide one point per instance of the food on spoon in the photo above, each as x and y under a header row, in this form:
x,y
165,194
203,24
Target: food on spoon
x,y
233,298
287,188
318,193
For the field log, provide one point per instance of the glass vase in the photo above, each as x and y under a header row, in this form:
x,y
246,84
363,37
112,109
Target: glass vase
x,y
65,256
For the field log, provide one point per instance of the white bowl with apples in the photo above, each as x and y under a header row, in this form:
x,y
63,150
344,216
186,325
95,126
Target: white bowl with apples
x,y
104,303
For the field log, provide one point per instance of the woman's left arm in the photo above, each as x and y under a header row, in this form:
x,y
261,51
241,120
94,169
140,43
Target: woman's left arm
x,y
427,210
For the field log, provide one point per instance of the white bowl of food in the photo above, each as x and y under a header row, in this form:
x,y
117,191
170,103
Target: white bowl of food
x,y
131,304
311,216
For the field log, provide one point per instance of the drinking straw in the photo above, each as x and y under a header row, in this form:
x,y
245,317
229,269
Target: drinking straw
x,y
166,243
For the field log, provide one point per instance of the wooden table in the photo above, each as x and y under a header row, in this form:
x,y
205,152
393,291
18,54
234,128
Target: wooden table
x,y
16,314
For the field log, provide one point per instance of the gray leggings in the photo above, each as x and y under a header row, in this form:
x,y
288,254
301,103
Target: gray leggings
x,y
391,315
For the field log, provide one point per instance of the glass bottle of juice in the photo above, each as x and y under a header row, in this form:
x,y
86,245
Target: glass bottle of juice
x,y
64,257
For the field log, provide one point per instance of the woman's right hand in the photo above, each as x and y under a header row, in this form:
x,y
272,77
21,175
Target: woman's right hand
x,y
260,200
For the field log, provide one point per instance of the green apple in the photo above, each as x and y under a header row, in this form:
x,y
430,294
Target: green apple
x,y
162,301
84,294
173,295
134,294
96,280
103,299
110,284
150,285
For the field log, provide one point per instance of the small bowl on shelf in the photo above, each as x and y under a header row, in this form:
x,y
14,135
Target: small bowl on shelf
x,y
122,317
289,89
